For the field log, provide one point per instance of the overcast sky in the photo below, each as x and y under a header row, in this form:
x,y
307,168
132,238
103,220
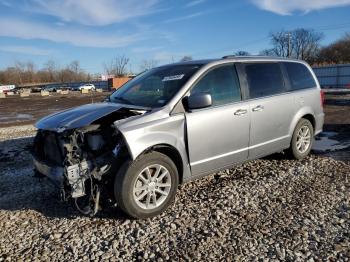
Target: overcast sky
x,y
94,31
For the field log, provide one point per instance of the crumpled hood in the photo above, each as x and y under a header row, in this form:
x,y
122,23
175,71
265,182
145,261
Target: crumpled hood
x,y
79,116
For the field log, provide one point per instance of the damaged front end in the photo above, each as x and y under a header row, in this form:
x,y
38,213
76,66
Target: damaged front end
x,y
81,161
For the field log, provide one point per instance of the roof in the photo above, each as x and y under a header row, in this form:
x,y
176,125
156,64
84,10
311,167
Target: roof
x,y
267,58
193,62
235,59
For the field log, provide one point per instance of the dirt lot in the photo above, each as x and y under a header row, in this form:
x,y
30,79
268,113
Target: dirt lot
x,y
337,109
268,209
15,111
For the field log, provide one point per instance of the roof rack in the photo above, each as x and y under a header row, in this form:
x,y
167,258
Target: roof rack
x,y
228,56
254,56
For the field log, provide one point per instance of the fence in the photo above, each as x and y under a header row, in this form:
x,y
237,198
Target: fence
x,y
335,76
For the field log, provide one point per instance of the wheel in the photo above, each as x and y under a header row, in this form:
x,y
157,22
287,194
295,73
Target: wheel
x,y
146,187
302,139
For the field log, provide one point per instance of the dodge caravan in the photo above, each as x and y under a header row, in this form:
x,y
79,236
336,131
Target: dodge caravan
x,y
176,123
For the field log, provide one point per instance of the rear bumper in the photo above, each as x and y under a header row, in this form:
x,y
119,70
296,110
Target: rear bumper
x,y
319,123
54,173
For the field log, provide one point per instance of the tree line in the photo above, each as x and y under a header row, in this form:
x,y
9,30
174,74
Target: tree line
x,y
24,73
305,44
300,43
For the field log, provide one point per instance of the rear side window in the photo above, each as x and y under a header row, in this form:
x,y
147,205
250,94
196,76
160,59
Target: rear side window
x,y
299,76
264,79
221,83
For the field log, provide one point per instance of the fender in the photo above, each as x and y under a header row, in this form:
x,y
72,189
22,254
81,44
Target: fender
x,y
167,131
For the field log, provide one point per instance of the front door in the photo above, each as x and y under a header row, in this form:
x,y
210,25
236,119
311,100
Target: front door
x,y
218,136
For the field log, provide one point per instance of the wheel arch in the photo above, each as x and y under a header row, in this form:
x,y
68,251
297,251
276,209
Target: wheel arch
x,y
171,152
306,113
311,118
165,135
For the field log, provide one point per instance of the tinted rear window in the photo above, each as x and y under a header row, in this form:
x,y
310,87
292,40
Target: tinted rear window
x,y
299,76
264,79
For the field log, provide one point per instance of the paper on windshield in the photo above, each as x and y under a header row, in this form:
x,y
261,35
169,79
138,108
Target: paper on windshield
x,y
172,78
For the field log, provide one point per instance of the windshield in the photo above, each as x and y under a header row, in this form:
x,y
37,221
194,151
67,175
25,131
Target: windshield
x,y
156,87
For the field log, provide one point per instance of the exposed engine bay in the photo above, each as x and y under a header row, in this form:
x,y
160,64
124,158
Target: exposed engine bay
x,y
82,161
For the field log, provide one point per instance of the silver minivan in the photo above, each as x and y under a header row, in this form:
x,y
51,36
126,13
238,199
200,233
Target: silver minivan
x,y
176,123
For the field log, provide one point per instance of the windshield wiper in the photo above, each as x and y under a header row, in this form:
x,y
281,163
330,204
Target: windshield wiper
x,y
122,99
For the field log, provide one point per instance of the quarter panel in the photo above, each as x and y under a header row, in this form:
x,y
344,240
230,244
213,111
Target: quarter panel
x,y
308,102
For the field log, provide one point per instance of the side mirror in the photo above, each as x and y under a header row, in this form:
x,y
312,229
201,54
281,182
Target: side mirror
x,y
198,101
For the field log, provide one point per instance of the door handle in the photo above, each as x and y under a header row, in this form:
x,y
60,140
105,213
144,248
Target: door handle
x,y
258,108
240,112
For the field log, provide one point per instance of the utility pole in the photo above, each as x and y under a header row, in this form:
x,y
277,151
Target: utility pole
x,y
289,44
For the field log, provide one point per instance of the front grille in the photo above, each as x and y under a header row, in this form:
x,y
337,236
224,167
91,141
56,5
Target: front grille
x,y
46,147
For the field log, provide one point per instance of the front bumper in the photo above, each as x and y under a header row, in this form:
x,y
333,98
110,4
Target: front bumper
x,y
53,173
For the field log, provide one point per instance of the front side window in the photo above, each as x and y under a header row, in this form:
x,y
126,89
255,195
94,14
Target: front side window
x,y
156,87
299,76
264,79
221,83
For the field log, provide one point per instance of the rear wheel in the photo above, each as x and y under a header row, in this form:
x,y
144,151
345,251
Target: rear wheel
x,y
147,186
302,139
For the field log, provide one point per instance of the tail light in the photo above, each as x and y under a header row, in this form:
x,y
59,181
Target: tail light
x,y
322,98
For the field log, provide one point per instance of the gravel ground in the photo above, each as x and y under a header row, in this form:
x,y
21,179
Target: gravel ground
x,y
16,132
269,209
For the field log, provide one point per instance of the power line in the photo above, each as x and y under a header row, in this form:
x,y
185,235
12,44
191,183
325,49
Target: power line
x,y
333,27
232,47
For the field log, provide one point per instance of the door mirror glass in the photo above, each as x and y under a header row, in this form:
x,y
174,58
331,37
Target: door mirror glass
x,y
198,101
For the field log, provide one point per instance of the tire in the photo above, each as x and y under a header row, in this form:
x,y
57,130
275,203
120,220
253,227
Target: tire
x,y
295,149
128,185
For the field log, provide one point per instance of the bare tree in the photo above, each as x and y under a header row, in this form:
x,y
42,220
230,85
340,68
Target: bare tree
x,y
50,68
9,76
299,43
148,64
306,44
76,71
336,53
19,69
75,67
281,43
267,52
117,66
29,73
242,53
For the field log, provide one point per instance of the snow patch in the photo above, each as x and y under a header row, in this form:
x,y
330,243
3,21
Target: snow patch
x,y
327,142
